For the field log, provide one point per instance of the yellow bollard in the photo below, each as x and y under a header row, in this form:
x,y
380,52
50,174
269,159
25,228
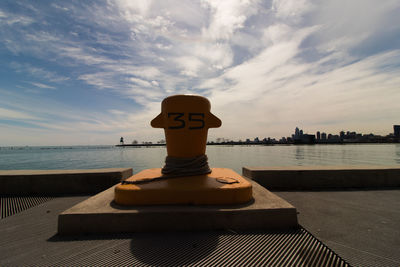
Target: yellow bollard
x,y
186,120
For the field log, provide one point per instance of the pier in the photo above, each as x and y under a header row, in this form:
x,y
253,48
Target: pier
x,y
338,226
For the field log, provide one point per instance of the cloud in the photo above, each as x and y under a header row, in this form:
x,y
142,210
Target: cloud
x,y
99,80
189,65
80,55
58,120
140,82
142,91
291,11
38,72
227,17
149,72
116,112
42,85
12,19
351,96
266,66
346,25
250,79
13,114
63,8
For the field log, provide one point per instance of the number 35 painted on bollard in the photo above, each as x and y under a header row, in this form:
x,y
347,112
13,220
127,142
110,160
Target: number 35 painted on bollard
x,y
186,120
194,118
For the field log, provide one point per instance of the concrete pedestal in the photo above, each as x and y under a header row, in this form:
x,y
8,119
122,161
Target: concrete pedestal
x,y
100,214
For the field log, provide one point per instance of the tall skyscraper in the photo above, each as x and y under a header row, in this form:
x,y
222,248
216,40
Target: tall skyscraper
x,y
318,135
396,130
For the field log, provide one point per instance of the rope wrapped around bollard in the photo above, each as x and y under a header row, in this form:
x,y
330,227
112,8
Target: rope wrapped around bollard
x,y
179,167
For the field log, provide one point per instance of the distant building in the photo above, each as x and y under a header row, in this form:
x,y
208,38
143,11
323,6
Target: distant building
x,y
318,135
335,137
323,136
297,132
396,130
300,138
305,139
121,141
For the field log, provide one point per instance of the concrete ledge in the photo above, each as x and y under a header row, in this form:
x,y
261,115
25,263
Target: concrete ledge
x,y
100,214
324,177
50,182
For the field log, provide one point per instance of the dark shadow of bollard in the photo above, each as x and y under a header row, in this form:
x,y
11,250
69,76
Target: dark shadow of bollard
x,y
173,249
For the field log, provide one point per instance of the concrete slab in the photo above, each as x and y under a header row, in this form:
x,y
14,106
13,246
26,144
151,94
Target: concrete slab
x,y
50,182
100,214
324,177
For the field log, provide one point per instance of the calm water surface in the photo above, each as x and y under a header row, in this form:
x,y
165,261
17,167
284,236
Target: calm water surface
x,y
234,157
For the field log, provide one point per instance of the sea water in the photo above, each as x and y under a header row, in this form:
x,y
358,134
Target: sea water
x,y
234,157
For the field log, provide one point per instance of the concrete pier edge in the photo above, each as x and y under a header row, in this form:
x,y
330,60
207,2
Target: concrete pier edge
x,y
52,182
324,177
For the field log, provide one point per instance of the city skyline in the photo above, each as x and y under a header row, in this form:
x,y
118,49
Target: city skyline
x,y
86,73
318,137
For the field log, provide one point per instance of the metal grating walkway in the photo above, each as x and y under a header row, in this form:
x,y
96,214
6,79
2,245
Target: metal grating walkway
x,y
30,238
289,248
10,205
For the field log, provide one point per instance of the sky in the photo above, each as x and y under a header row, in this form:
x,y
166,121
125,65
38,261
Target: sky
x,y
89,72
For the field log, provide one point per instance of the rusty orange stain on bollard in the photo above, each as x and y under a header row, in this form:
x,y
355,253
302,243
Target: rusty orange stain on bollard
x,y
186,120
